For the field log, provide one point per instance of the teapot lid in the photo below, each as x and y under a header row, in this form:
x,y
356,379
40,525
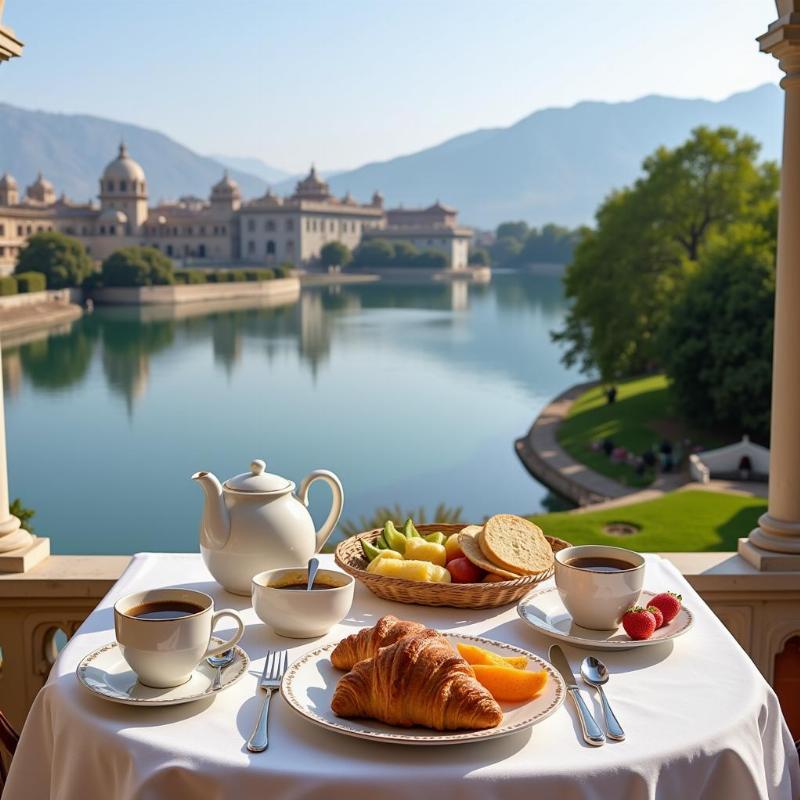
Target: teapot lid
x,y
258,481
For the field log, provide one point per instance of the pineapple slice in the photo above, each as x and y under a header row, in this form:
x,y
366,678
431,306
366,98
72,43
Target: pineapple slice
x,y
384,555
420,550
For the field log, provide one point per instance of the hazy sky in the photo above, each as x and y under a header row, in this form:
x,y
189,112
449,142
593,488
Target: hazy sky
x,y
342,82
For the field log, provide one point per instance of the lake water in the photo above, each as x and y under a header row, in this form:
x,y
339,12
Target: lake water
x,y
411,394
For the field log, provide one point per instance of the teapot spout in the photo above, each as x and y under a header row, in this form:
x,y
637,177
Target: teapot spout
x,y
215,526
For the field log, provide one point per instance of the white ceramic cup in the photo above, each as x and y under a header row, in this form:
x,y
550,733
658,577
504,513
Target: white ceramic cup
x,y
299,614
164,652
597,600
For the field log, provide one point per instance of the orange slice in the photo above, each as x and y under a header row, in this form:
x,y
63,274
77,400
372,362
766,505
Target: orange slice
x,y
509,684
473,654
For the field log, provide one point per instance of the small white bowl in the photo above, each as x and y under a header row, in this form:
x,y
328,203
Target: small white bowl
x,y
299,614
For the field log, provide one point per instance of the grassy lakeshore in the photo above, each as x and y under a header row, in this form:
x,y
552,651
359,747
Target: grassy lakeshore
x,y
691,520
639,420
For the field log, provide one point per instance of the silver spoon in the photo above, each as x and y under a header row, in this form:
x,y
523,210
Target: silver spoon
x,y
219,663
313,566
594,672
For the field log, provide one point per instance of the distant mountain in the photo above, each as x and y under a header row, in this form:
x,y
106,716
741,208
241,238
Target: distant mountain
x,y
255,166
557,164
72,149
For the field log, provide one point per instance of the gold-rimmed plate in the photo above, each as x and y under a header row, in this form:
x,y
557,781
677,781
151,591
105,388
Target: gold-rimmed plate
x,y
310,682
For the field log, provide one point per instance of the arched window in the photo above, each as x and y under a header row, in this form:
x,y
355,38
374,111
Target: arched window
x,y
110,186
123,186
270,248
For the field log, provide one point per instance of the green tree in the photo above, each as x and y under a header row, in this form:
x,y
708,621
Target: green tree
x,y
137,266
647,242
373,253
405,254
479,257
512,230
335,254
62,259
505,251
717,343
553,244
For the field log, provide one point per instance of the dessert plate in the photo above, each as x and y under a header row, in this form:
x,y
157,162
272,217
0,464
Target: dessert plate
x,y
310,682
105,673
544,611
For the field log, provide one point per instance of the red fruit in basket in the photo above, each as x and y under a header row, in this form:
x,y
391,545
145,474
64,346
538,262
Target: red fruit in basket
x,y
656,612
668,603
639,623
462,570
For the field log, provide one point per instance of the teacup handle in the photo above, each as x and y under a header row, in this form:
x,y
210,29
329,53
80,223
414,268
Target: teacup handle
x,y
221,648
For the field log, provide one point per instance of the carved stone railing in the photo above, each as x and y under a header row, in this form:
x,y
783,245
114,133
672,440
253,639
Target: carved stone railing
x,y
40,609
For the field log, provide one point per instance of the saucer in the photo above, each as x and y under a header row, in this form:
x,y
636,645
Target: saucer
x,y
544,611
105,673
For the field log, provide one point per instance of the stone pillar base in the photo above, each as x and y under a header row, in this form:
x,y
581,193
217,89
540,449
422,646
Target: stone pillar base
x,y
768,560
27,557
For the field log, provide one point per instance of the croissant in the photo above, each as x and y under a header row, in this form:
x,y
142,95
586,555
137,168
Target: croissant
x,y
367,642
419,680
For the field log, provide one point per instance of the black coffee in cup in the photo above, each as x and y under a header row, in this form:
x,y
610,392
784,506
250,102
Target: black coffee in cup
x,y
600,564
164,609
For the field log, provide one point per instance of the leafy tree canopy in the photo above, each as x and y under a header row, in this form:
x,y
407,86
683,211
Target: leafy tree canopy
x,y
717,342
137,266
647,243
335,254
62,259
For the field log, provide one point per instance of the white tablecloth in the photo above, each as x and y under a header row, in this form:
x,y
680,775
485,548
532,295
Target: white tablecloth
x,y
701,723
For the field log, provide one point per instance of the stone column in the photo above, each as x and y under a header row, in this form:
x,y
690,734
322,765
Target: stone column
x,y
12,536
775,543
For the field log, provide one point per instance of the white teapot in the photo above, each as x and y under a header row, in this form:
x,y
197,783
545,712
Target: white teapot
x,y
254,522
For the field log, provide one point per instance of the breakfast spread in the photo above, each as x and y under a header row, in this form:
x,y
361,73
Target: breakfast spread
x,y
640,623
505,548
404,674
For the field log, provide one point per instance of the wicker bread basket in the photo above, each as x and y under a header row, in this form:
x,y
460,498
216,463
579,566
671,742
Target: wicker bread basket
x,y
350,557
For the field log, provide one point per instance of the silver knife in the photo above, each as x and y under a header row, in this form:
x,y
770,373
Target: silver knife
x,y
591,730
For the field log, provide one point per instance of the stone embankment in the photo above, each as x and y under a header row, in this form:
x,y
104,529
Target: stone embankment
x,y
21,312
196,293
551,465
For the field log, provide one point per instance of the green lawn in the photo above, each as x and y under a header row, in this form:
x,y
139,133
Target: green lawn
x,y
691,520
640,419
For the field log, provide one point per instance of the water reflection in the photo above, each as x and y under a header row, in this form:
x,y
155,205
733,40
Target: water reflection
x,y
442,377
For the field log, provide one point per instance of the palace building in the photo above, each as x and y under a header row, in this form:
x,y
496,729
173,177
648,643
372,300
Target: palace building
x,y
222,230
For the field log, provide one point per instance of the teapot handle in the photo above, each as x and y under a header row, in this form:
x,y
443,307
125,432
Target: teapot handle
x,y
336,507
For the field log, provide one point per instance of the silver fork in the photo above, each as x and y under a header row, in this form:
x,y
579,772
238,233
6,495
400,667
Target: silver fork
x,y
274,667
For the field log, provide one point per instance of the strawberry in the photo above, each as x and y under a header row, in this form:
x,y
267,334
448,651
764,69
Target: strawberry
x,y
639,623
656,612
668,603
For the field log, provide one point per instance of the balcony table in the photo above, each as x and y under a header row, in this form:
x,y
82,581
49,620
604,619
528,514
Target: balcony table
x,y
694,731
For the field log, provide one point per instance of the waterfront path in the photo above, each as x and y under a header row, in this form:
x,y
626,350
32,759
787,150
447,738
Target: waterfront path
x,y
549,463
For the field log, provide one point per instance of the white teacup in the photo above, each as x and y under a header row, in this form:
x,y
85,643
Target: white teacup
x,y
164,634
297,613
597,598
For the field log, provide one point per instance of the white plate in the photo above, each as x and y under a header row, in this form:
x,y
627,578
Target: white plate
x,y
310,682
544,611
105,673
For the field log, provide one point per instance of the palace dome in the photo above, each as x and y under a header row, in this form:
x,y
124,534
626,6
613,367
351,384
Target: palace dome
x,y
225,188
123,167
41,190
312,187
8,181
